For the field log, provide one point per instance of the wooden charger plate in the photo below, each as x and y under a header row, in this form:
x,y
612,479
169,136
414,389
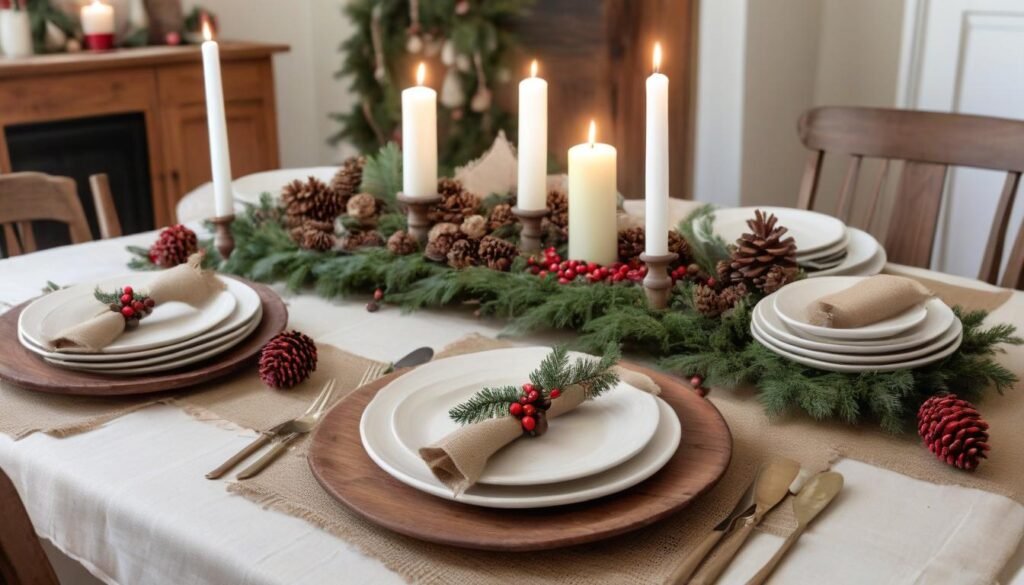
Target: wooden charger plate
x,y
347,473
25,369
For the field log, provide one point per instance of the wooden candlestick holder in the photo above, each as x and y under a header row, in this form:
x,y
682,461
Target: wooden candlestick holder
x,y
657,283
223,239
417,216
529,236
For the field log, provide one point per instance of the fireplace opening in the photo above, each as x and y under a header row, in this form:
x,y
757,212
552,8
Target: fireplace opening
x,y
115,145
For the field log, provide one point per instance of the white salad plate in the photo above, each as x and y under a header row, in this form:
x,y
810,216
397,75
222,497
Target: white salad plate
x,y
858,368
794,301
247,308
939,320
864,257
384,449
864,359
250,187
824,254
45,318
596,436
813,232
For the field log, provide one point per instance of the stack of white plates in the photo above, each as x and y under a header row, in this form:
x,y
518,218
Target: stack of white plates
x,y
173,336
602,447
825,245
919,336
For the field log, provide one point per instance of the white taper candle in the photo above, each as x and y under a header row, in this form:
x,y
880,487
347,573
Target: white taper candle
x,y
656,169
533,142
220,155
419,138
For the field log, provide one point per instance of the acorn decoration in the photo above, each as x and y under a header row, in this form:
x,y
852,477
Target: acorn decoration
x,y
287,360
953,430
173,246
531,409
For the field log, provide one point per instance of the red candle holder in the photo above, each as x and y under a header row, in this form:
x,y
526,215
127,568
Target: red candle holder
x,y
99,42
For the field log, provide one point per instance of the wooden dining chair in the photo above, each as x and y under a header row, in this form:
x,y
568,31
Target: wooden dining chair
x,y
103,201
928,143
22,558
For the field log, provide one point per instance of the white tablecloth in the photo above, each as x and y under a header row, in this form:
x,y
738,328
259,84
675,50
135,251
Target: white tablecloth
x,y
130,503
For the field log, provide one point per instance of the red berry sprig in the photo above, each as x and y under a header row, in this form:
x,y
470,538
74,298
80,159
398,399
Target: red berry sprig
x,y
131,305
531,409
550,264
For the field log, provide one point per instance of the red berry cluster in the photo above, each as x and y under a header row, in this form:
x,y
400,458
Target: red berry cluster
x,y
552,265
531,409
131,306
697,381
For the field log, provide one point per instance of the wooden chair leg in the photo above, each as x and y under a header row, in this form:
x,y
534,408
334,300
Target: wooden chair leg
x,y
22,558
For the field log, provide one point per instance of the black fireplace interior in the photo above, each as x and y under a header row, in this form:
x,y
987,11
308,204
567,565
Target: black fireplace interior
x,y
115,145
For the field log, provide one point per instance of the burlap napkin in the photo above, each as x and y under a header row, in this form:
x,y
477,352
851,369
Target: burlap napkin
x,y
869,301
186,283
459,458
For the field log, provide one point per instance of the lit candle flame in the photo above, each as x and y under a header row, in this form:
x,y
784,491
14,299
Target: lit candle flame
x,y
207,31
533,68
421,73
657,57
592,134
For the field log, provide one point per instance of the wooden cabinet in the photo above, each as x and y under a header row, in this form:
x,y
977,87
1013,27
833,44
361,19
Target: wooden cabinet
x,y
165,84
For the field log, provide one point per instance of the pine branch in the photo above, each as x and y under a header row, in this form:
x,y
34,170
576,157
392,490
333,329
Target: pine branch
x,y
382,175
485,404
705,247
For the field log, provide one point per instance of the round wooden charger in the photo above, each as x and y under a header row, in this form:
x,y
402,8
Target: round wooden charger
x,y
345,471
25,369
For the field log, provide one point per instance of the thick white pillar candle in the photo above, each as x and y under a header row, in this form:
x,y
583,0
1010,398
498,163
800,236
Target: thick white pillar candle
x,y
533,142
97,18
220,156
593,234
656,176
419,138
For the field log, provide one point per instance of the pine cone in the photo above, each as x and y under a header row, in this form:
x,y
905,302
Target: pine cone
x,y
474,226
362,207
497,253
558,203
354,240
311,199
456,203
287,360
953,430
757,252
173,246
776,278
677,245
440,240
631,243
724,270
712,303
462,254
402,243
314,235
262,217
501,216
347,180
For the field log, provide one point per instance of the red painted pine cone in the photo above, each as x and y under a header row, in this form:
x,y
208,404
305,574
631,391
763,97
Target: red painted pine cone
x,y
287,360
174,245
953,430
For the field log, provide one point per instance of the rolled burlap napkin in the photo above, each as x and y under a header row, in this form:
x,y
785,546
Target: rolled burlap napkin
x,y
460,457
186,283
869,301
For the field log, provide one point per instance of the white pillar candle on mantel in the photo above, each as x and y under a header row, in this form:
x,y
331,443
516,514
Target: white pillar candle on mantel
x,y
220,155
533,143
593,233
419,138
97,18
656,170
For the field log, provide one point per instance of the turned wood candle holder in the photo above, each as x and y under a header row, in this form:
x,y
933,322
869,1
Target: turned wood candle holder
x,y
531,220
417,216
657,283
223,239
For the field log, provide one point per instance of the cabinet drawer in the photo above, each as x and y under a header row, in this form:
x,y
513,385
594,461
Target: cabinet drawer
x,y
243,80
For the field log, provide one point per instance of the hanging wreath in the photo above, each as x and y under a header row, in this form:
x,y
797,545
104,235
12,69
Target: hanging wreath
x,y
467,47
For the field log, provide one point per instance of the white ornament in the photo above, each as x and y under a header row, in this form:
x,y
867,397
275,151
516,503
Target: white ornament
x,y
481,100
414,44
452,95
448,53
463,63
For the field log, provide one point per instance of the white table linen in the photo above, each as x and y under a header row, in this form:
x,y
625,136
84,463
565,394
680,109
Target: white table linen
x,y
130,503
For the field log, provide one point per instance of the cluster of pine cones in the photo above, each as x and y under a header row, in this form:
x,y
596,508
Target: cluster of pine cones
x,y
632,242
467,245
311,206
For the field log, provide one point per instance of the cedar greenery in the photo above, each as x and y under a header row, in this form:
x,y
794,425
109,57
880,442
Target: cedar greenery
x,y
596,376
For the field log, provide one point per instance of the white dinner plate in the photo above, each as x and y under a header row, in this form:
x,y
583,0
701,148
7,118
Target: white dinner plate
x,y
864,257
250,187
227,343
938,322
246,309
596,436
864,359
385,450
812,231
170,323
794,301
854,369
823,254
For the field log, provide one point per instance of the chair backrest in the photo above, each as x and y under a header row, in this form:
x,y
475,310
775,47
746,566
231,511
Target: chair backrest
x,y
28,197
22,558
103,201
928,143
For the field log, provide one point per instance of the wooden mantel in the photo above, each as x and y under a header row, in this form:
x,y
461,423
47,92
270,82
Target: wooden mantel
x,y
165,85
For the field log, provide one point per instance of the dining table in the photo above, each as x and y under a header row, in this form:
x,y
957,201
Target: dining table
x,y
129,503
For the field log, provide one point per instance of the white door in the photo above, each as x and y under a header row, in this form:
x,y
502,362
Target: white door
x,y
966,56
